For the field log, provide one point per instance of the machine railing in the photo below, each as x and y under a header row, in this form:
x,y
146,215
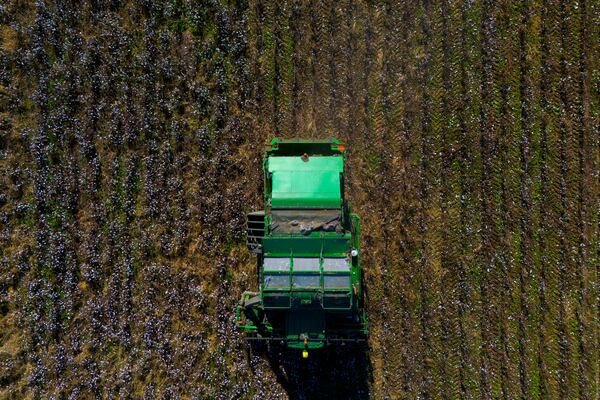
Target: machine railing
x,y
255,231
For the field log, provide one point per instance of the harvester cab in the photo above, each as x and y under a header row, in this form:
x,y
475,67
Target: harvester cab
x,y
307,245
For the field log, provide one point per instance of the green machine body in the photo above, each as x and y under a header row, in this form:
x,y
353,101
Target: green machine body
x,y
307,245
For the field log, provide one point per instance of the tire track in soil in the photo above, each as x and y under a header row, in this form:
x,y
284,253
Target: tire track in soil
x,y
548,351
468,177
392,116
568,350
528,251
582,315
488,316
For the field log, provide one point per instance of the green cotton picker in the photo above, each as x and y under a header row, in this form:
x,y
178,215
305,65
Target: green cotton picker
x,y
307,243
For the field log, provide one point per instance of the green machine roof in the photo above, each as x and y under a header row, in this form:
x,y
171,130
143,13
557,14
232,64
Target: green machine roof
x,y
312,182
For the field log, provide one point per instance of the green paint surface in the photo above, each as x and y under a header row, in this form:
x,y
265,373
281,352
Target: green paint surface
x,y
306,182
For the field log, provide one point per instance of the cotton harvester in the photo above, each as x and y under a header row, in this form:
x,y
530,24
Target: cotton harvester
x,y
307,244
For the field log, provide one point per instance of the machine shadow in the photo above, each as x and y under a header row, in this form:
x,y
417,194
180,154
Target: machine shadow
x,y
336,372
